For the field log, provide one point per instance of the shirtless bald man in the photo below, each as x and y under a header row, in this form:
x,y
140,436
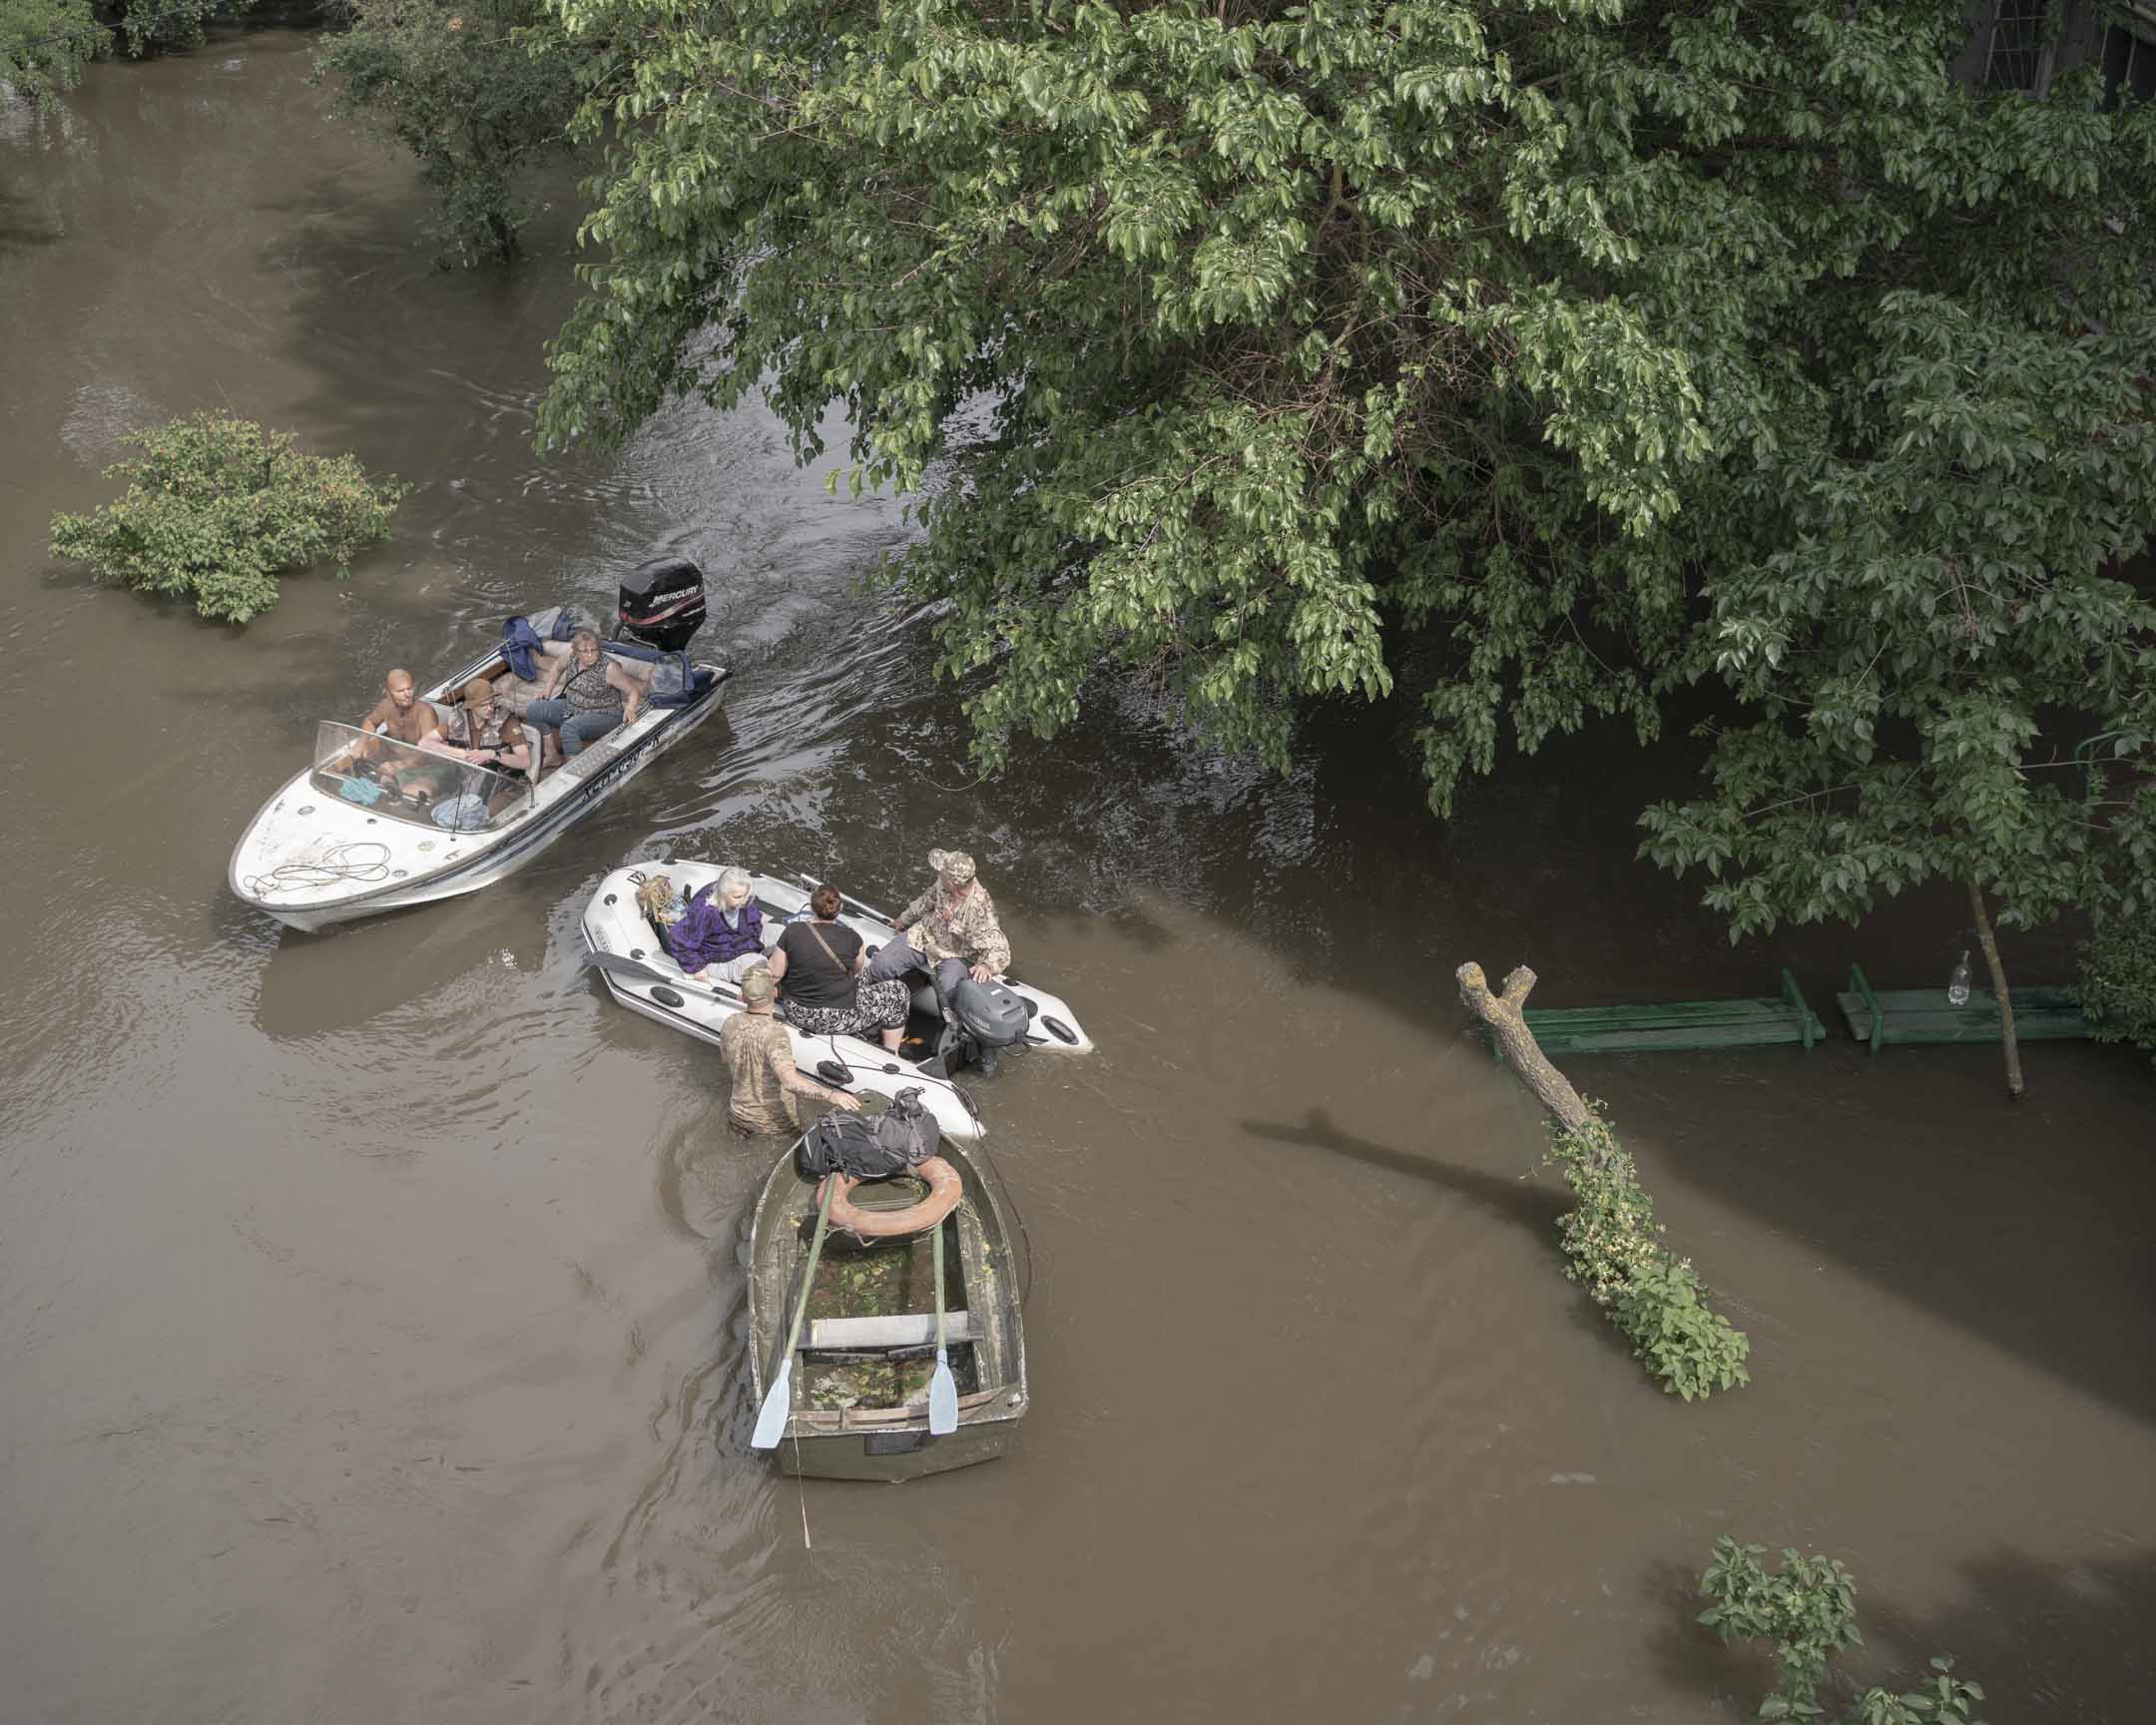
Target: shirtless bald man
x,y
399,715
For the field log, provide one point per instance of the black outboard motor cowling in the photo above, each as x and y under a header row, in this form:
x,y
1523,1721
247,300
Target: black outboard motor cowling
x,y
989,1013
662,603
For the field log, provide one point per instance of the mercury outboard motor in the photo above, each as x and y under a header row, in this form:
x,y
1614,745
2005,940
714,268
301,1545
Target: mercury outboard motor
x,y
662,603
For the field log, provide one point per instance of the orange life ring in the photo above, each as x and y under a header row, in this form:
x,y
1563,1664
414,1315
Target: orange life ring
x,y
945,1189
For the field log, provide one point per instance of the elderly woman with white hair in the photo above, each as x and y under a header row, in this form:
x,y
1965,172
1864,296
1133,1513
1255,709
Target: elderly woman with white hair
x,y
721,936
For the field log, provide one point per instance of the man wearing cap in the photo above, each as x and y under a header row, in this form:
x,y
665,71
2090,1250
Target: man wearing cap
x,y
482,732
950,933
758,1055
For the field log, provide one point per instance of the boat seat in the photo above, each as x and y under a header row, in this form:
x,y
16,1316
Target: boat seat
x,y
515,691
906,1330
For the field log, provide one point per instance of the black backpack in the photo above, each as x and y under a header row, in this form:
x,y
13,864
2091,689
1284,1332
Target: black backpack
x,y
871,1148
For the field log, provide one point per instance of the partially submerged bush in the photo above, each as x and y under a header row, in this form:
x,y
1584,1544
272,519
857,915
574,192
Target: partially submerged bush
x,y
1652,1294
218,508
2118,981
1808,1608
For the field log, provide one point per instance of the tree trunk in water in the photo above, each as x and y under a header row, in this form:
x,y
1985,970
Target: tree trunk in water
x,y
1503,1014
1998,989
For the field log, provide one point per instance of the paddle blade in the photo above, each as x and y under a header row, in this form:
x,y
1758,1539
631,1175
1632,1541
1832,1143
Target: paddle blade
x,y
942,1398
778,1402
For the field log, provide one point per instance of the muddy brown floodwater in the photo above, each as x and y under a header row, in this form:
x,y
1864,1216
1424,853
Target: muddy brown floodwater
x,y
371,1305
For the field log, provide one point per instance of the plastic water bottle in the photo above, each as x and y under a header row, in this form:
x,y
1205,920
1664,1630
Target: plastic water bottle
x,y
1957,982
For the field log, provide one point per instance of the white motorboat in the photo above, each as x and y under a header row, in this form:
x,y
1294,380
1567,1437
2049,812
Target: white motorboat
x,y
336,842
625,947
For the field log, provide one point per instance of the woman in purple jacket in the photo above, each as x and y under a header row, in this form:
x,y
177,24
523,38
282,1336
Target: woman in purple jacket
x,y
722,935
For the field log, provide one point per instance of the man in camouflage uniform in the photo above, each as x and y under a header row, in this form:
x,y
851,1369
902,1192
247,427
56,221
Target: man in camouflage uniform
x,y
950,933
759,1060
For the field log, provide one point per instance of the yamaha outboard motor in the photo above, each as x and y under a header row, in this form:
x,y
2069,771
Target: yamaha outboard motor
x,y
662,603
989,1012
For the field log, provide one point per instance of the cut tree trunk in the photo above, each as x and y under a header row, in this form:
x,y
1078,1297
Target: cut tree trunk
x,y
1505,1017
1989,944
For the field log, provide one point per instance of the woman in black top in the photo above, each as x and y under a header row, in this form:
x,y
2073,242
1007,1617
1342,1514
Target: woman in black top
x,y
818,964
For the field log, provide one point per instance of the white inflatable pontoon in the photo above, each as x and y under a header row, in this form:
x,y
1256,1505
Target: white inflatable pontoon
x,y
625,947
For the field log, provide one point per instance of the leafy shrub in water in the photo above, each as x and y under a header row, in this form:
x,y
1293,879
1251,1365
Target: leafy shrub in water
x,y
2118,981
1807,1609
218,508
1653,1296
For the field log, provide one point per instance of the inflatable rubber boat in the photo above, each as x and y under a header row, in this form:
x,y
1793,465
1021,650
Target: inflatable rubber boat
x,y
624,946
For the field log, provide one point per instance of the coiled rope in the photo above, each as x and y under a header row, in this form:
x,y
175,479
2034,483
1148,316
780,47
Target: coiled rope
x,y
352,862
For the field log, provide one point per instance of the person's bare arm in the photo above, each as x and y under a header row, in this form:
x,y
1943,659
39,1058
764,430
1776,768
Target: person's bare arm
x,y
518,758
515,750
776,960
632,691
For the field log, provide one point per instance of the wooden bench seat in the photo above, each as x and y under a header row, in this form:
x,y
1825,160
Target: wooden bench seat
x,y
1675,1025
1876,1017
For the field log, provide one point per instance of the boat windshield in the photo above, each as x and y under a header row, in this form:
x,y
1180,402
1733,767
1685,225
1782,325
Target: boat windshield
x,y
385,777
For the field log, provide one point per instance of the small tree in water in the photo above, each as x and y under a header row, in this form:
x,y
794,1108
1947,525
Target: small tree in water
x,y
220,508
473,90
1611,1235
1807,1609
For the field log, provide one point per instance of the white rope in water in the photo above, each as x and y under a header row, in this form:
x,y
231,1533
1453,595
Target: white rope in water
x,y
343,863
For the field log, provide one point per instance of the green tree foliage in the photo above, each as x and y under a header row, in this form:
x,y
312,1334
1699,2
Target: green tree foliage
x,y
475,91
1292,350
218,508
2118,980
1921,609
1807,1609
1528,357
1654,1296
45,44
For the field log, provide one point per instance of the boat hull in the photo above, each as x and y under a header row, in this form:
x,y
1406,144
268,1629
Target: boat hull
x,y
893,1443
893,1457
387,864
612,923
